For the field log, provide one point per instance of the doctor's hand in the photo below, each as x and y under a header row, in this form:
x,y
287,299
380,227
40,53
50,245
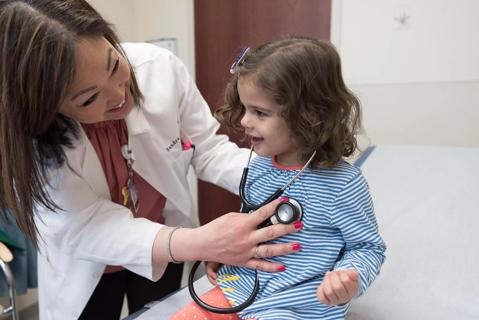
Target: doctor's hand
x,y
338,287
234,239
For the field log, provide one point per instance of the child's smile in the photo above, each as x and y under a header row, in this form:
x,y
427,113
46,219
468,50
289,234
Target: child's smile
x,y
255,141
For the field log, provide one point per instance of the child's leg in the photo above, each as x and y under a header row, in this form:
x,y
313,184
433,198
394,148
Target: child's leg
x,y
214,297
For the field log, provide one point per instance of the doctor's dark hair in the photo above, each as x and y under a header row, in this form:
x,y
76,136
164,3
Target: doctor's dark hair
x,y
37,64
302,75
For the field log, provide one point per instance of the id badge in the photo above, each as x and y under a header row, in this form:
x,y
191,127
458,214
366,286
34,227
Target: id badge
x,y
133,191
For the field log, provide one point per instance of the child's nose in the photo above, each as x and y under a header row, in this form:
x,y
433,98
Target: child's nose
x,y
245,123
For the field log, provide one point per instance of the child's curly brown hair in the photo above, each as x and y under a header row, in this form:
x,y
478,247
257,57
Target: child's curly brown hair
x,y
303,75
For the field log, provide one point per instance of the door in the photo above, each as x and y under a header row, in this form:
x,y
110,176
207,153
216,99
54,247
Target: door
x,y
222,28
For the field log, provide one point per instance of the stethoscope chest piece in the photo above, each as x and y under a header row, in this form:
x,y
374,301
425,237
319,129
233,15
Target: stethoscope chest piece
x,y
287,212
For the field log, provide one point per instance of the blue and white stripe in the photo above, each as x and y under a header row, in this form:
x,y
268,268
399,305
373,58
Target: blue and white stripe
x,y
340,231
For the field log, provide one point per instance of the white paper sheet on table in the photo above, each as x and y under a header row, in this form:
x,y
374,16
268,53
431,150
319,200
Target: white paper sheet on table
x,y
167,307
427,204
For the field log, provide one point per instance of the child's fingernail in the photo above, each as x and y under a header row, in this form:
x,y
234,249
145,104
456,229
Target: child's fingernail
x,y
296,246
283,199
298,225
281,268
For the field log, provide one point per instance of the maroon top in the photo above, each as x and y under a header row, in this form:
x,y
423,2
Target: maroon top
x,y
107,138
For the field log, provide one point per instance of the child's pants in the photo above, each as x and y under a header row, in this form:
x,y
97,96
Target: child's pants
x,y
214,297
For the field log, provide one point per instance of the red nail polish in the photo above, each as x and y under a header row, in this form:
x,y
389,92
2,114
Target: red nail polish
x,y
298,225
281,268
296,246
283,199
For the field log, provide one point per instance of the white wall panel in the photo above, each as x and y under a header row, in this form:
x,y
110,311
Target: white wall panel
x,y
397,41
414,65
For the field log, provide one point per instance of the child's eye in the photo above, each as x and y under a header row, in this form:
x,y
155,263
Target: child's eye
x,y
91,100
260,113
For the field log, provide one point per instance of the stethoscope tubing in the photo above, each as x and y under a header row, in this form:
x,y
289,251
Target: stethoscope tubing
x,y
246,207
214,309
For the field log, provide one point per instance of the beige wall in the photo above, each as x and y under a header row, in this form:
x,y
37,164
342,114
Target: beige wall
x,y
166,19
418,80
145,20
121,13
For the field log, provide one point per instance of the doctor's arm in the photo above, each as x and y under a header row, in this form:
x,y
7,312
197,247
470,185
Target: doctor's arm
x,y
230,239
364,250
95,229
216,159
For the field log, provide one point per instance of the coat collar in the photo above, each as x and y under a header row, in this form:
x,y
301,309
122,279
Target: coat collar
x,y
161,179
136,122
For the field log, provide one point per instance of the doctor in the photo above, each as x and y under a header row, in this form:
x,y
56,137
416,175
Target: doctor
x,y
96,140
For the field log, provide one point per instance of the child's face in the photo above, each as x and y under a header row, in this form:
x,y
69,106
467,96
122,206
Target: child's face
x,y
266,129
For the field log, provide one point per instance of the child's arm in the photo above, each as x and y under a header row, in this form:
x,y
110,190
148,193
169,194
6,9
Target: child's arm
x,y
354,217
338,286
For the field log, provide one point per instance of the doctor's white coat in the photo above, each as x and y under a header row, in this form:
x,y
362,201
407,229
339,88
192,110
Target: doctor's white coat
x,y
76,244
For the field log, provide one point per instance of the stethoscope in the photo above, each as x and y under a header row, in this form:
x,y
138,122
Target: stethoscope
x,y
286,212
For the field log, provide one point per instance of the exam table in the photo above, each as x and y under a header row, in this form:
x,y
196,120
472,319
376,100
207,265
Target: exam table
x,y
427,205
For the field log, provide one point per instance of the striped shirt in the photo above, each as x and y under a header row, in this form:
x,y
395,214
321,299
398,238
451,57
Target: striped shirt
x,y
340,232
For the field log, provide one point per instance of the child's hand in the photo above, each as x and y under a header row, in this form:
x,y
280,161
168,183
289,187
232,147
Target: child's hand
x,y
211,269
338,286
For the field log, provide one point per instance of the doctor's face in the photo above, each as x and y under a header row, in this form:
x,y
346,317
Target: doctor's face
x,y
100,88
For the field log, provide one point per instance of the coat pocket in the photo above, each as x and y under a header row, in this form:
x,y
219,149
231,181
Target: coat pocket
x,y
185,157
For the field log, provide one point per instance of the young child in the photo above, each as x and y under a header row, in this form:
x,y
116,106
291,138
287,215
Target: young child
x,y
289,98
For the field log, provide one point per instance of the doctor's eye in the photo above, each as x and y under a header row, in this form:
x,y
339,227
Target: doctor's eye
x,y
90,100
115,67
